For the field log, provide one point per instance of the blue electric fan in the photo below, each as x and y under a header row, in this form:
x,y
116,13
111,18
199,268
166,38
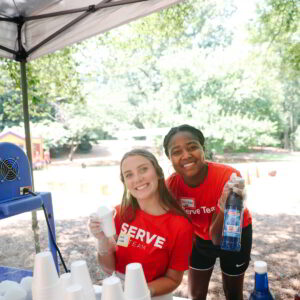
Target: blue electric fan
x,y
15,175
16,195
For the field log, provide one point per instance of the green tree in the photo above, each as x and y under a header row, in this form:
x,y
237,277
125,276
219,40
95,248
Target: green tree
x,y
279,27
277,32
133,58
51,79
55,98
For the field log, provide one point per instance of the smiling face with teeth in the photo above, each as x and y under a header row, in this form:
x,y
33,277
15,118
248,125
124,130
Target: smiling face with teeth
x,y
187,157
140,178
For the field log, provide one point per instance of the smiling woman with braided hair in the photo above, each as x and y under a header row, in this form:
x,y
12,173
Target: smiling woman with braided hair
x,y
202,189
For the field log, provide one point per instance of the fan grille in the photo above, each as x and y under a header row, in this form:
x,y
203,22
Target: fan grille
x,y
9,169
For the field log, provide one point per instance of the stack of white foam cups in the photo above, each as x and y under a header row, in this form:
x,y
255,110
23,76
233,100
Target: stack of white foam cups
x,y
163,297
65,282
135,283
74,292
45,283
26,284
135,286
81,276
10,290
112,289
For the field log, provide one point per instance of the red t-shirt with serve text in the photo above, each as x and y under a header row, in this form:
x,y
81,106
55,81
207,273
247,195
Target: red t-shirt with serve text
x,y
157,242
200,202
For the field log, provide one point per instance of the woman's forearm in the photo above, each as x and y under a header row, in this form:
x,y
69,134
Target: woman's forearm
x,y
166,284
107,262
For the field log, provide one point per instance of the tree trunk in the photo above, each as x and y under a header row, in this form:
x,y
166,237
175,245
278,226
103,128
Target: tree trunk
x,y
72,151
286,137
35,229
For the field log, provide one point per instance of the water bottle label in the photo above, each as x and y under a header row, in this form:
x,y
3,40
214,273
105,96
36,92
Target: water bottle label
x,y
232,223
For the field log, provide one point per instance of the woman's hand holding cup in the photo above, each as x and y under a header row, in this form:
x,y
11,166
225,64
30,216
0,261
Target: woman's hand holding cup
x,y
106,216
105,245
94,225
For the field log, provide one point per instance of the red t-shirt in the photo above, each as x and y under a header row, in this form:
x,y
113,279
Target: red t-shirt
x,y
200,202
157,242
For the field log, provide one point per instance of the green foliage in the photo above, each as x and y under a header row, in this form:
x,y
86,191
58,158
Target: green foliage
x,y
78,126
10,114
51,79
184,64
53,84
279,27
278,31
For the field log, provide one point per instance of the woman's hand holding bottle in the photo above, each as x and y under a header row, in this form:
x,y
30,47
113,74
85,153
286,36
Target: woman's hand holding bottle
x,y
235,184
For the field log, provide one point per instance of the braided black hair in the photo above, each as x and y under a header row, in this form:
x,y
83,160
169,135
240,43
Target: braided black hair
x,y
187,128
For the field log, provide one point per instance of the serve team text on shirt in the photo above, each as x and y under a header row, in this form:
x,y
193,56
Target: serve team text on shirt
x,y
143,235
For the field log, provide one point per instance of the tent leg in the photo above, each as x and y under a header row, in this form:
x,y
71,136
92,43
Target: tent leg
x,y
34,221
26,114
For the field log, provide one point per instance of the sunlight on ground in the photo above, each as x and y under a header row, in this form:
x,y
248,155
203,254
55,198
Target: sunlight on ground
x,y
79,191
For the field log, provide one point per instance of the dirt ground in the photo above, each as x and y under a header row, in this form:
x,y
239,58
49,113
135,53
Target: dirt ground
x,y
276,244
276,239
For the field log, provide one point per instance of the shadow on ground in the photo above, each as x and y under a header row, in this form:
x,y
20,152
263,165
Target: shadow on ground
x,y
276,239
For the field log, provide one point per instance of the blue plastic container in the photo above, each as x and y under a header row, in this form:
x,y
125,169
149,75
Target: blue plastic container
x,y
233,222
13,274
261,290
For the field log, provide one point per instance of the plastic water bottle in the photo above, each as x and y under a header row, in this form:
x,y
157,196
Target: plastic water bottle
x,y
233,220
261,289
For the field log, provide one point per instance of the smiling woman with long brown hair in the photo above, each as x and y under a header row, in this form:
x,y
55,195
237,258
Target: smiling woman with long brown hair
x,y
157,231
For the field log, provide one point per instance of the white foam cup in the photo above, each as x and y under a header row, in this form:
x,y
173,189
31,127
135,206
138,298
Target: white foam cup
x,y
44,272
45,282
15,293
74,292
65,281
6,285
98,291
53,292
26,284
80,275
106,215
90,295
135,283
112,289
146,297
163,297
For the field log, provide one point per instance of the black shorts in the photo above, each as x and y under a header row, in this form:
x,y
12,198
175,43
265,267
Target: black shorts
x,y
205,253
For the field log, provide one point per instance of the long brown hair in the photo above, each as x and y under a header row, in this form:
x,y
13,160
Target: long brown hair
x,y
129,203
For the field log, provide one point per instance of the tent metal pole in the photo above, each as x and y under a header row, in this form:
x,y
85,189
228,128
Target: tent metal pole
x,y
91,9
102,4
26,115
24,86
7,50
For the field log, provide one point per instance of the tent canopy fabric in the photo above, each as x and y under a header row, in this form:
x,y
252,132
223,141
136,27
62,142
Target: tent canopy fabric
x,y
33,28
